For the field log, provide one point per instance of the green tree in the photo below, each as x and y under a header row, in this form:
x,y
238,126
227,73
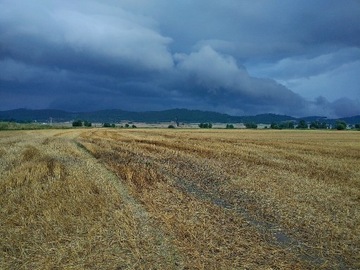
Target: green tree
x,y
230,126
274,126
314,125
290,125
205,125
340,125
87,124
318,125
77,123
171,126
302,125
106,125
251,125
286,125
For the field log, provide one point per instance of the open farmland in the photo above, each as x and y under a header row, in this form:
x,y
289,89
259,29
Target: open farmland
x,y
179,199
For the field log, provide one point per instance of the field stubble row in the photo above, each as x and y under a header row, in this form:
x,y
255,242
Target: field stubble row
x,y
210,199
303,184
60,209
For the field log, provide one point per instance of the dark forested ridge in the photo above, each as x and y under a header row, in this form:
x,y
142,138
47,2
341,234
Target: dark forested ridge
x,y
180,115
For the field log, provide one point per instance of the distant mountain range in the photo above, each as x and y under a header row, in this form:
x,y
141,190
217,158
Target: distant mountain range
x,y
180,115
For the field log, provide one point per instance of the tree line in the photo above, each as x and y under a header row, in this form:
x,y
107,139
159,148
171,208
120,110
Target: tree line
x,y
80,123
302,124
339,125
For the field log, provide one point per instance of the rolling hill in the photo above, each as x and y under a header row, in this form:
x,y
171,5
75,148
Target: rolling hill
x,y
181,115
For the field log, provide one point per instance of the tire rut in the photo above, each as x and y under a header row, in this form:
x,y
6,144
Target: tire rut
x,y
162,244
273,232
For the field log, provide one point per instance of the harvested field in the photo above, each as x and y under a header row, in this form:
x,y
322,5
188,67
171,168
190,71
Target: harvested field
x,y
179,199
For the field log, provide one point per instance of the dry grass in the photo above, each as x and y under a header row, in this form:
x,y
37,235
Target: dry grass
x,y
214,199
61,210
301,188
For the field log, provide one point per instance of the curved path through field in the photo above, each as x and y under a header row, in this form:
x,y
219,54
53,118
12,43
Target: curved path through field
x,y
63,209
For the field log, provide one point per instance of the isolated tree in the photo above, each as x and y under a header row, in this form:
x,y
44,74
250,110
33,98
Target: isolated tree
x,y
289,125
251,125
87,124
318,125
340,125
302,125
274,125
171,126
283,125
106,125
77,123
314,125
205,125
229,126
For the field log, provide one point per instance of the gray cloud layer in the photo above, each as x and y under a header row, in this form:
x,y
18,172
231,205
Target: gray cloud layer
x,y
232,56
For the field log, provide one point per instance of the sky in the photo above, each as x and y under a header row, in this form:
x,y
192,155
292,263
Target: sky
x,y
239,57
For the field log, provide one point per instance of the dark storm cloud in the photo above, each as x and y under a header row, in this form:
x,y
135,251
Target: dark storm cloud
x,y
261,28
69,34
343,106
240,57
295,67
219,77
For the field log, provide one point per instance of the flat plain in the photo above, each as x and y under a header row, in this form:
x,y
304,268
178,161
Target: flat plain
x,y
179,199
